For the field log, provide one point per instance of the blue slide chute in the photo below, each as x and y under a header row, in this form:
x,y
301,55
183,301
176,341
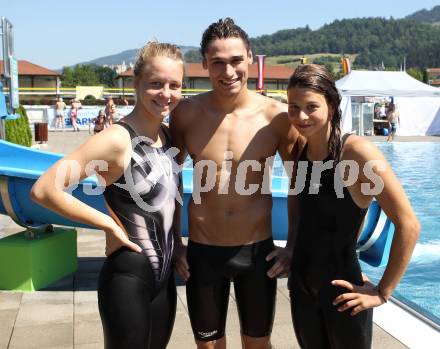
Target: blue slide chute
x,y
20,167
374,242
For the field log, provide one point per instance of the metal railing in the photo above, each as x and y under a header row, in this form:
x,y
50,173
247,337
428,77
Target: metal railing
x,y
112,91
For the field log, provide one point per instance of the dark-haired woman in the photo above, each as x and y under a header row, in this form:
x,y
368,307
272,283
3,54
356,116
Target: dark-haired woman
x,y
331,301
98,122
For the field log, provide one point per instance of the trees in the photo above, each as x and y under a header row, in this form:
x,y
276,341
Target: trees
x,y
106,76
432,16
416,74
376,40
68,78
88,75
193,56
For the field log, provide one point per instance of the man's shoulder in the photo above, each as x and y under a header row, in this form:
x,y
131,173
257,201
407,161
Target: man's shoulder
x,y
189,107
275,113
272,108
185,112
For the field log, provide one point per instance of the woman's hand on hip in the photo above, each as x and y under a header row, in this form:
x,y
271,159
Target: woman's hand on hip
x,y
115,238
358,298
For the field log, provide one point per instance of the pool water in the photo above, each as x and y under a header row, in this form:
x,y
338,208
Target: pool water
x,y
417,165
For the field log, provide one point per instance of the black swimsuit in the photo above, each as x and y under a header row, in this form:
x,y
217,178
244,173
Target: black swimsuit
x,y
325,250
137,294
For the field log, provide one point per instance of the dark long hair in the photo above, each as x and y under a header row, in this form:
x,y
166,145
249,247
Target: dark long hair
x,y
318,79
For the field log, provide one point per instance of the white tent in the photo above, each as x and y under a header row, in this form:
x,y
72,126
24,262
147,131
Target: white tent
x,y
384,83
418,103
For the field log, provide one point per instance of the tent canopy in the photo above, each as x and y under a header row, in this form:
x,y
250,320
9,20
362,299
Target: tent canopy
x,y
384,83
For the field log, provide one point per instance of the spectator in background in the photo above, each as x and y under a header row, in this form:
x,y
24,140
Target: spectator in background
x,y
114,115
111,115
99,122
382,111
393,118
76,104
124,101
108,105
377,111
59,113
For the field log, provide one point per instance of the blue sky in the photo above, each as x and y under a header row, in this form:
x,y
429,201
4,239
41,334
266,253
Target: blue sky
x,y
57,33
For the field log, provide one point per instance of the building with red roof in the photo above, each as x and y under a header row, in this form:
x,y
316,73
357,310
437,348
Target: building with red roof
x,y
35,79
33,75
196,77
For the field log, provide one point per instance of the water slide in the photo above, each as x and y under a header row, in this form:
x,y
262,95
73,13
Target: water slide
x,y
20,167
374,242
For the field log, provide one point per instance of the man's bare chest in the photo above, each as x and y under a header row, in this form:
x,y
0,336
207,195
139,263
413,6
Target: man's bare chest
x,y
238,139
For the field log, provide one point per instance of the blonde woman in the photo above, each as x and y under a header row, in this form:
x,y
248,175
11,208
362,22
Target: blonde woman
x,y
136,291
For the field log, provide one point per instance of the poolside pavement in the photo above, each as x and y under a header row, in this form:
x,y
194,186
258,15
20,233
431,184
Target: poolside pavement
x,y
65,314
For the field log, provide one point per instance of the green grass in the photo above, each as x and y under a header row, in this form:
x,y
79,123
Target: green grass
x,y
295,58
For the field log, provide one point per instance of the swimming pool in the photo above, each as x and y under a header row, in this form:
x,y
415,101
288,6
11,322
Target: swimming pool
x,y
417,165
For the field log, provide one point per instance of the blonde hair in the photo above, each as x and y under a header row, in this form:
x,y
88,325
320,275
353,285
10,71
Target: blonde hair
x,y
155,49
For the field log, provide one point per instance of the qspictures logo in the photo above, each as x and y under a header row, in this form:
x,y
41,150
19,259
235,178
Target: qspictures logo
x,y
160,168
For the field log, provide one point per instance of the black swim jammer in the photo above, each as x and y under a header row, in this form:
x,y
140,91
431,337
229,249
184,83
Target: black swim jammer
x,y
212,268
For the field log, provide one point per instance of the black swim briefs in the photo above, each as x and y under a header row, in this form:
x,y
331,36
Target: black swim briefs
x,y
212,268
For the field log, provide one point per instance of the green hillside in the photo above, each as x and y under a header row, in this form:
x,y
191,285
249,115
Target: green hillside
x,y
375,43
378,42
319,58
427,16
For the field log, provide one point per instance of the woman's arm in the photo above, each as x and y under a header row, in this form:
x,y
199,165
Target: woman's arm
x,y
177,126
394,202
103,155
289,147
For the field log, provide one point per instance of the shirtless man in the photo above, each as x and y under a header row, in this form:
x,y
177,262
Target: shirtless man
x,y
59,113
393,118
230,235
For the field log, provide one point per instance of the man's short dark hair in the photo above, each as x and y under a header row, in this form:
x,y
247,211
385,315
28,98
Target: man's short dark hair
x,y
223,29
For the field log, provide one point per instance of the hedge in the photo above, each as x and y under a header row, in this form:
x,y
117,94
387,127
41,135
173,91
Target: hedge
x,y
18,131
